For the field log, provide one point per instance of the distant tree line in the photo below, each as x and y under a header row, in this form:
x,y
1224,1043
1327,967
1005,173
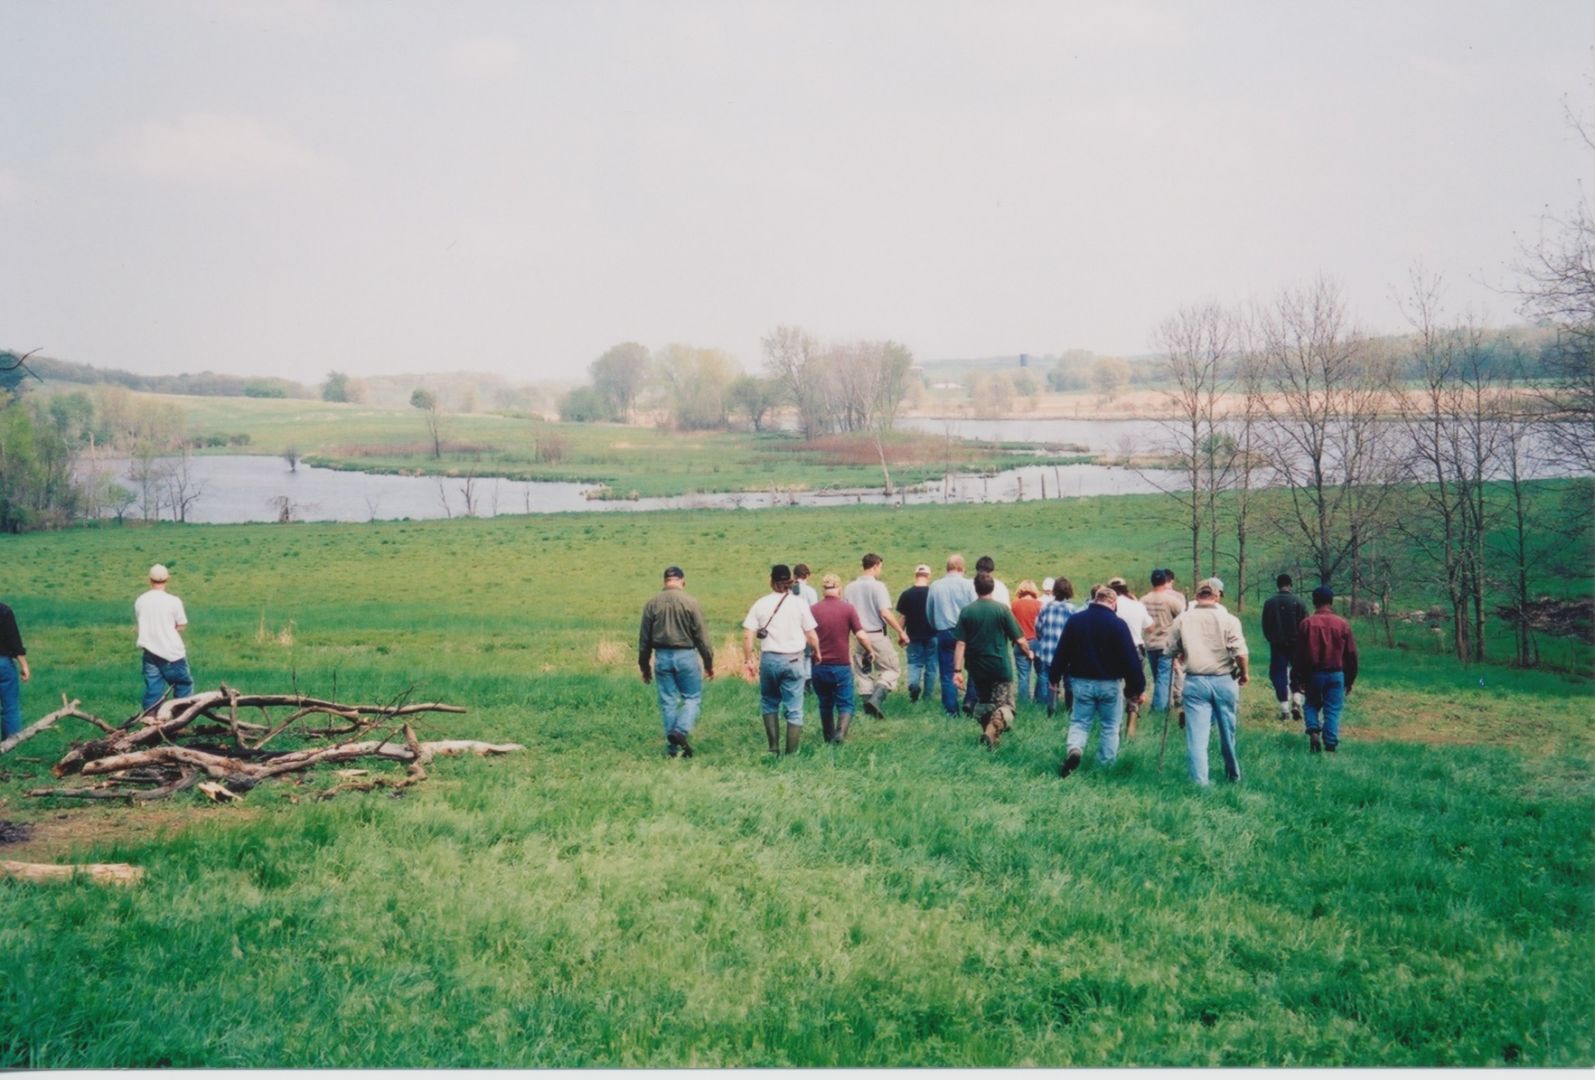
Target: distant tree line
x,y
203,384
848,386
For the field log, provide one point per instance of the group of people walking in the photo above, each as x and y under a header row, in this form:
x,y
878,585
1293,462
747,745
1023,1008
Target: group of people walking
x,y
985,651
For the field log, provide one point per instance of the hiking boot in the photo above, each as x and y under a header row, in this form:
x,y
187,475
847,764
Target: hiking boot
x,y
772,732
794,735
1314,743
872,704
678,741
1070,764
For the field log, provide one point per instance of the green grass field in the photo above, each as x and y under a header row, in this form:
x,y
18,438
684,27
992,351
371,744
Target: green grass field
x,y
1423,898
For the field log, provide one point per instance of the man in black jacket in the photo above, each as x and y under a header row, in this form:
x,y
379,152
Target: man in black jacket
x,y
1099,658
1282,614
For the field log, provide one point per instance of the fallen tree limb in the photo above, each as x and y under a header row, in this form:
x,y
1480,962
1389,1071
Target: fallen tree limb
x,y
164,750
100,873
68,708
169,718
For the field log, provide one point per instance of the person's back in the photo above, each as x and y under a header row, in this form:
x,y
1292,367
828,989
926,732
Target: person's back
x,y
947,596
1163,606
986,627
1205,637
912,606
836,621
870,599
159,614
1096,644
1325,643
1282,614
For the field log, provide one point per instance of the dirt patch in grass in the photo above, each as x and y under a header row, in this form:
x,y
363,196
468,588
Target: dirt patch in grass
x,y
67,835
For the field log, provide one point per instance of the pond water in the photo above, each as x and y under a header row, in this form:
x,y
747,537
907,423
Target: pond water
x,y
238,489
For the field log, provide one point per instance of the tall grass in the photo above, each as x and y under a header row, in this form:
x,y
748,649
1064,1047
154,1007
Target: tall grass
x,y
905,899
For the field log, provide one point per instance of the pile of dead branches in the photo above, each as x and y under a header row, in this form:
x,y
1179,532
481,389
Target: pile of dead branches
x,y
218,740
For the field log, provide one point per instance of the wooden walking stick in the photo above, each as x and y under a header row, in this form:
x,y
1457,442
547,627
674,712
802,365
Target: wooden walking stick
x,y
1164,744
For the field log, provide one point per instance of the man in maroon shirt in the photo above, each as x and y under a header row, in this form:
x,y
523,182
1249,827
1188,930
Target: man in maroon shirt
x,y
1324,668
835,621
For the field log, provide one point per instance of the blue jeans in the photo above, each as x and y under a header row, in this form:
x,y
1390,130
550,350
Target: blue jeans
x,y
10,698
1326,696
1162,666
159,673
833,685
781,685
678,676
1097,701
1279,673
921,667
1211,700
1021,671
944,657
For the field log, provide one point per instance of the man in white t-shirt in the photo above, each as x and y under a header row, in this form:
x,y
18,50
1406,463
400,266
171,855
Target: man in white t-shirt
x,y
875,665
782,623
161,622
1139,620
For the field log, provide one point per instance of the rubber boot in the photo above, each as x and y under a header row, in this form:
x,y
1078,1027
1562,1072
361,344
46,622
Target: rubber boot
x,y
772,731
843,722
828,728
794,735
1133,715
872,703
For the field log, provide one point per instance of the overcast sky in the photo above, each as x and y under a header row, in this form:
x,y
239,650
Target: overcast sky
x,y
293,186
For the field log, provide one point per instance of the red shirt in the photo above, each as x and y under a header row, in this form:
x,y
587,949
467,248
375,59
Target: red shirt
x,y
835,621
1025,609
1324,643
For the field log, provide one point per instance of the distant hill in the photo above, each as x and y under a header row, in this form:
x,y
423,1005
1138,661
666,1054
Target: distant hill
x,y
204,384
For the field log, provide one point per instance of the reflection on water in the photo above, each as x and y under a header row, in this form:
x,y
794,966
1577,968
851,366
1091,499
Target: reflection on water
x,y
241,489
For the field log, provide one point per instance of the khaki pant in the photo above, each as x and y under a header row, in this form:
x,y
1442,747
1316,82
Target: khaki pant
x,y
885,668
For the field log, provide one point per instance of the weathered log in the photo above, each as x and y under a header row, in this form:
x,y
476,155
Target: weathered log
x,y
100,873
223,767
105,791
68,708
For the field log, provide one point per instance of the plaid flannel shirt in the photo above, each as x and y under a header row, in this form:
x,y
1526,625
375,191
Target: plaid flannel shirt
x,y
1049,629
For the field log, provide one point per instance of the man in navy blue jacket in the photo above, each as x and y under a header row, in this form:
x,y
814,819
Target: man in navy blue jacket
x,y
1098,657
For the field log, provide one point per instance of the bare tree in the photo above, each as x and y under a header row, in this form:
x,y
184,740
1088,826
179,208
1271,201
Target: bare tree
x,y
1199,345
1516,433
427,402
794,359
182,487
1326,439
1449,428
1559,273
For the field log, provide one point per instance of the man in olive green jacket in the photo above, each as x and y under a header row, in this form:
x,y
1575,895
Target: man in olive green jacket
x,y
672,636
